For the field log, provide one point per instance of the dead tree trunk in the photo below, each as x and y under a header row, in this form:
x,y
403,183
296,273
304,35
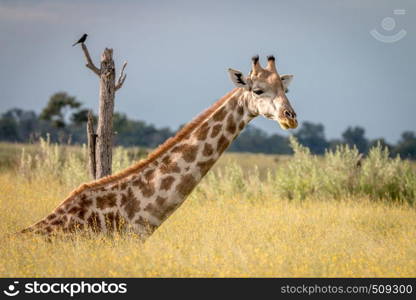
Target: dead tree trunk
x,y
92,137
100,164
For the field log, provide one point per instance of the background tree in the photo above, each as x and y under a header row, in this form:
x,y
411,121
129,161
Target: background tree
x,y
57,107
355,136
406,147
313,136
252,139
132,132
8,129
79,117
18,125
255,140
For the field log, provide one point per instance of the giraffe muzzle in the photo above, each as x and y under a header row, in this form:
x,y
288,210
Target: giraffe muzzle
x,y
289,124
288,120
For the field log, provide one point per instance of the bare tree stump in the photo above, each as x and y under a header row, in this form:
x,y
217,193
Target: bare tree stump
x,y
92,163
106,108
108,87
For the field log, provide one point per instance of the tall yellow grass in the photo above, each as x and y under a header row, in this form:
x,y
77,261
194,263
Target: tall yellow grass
x,y
239,222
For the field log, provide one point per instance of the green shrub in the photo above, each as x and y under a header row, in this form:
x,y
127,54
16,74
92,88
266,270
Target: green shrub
x,y
343,172
301,175
382,177
68,163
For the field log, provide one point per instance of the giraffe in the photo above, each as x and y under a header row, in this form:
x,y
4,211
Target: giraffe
x,y
144,195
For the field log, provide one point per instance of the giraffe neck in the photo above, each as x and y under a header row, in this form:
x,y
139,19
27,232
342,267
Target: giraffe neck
x,y
145,196
183,166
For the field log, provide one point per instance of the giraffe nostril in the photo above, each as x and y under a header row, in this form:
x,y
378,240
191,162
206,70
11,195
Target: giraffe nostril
x,y
288,114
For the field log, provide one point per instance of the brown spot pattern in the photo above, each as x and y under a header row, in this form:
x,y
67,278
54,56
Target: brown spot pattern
x,y
81,213
160,200
186,185
67,204
147,188
153,210
105,201
130,203
57,222
208,150
240,110
80,207
189,154
241,126
188,151
166,160
215,130
232,104
169,166
84,201
231,127
220,114
74,210
167,183
114,187
149,174
204,166
51,216
161,212
64,218
178,148
222,144
202,132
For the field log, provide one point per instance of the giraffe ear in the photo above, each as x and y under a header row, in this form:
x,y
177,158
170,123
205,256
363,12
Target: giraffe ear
x,y
238,79
286,80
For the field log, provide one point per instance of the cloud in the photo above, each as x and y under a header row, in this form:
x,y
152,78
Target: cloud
x,y
28,13
55,12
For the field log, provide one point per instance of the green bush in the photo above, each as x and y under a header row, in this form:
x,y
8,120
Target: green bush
x,y
382,177
343,172
68,163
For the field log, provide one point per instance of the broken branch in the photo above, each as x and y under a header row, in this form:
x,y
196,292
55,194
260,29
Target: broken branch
x,y
122,77
90,64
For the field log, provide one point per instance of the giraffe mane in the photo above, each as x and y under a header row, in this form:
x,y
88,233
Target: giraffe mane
x,y
187,129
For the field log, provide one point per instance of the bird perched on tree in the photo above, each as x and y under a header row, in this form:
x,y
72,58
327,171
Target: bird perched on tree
x,y
81,40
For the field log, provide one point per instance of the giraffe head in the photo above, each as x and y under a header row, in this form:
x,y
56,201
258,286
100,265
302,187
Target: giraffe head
x,y
265,92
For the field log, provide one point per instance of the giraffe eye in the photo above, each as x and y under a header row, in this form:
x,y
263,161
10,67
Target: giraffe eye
x,y
258,92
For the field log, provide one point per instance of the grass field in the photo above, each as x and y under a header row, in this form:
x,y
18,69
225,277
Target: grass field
x,y
289,216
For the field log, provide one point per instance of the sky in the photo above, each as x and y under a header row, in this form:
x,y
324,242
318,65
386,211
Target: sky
x,y
178,53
